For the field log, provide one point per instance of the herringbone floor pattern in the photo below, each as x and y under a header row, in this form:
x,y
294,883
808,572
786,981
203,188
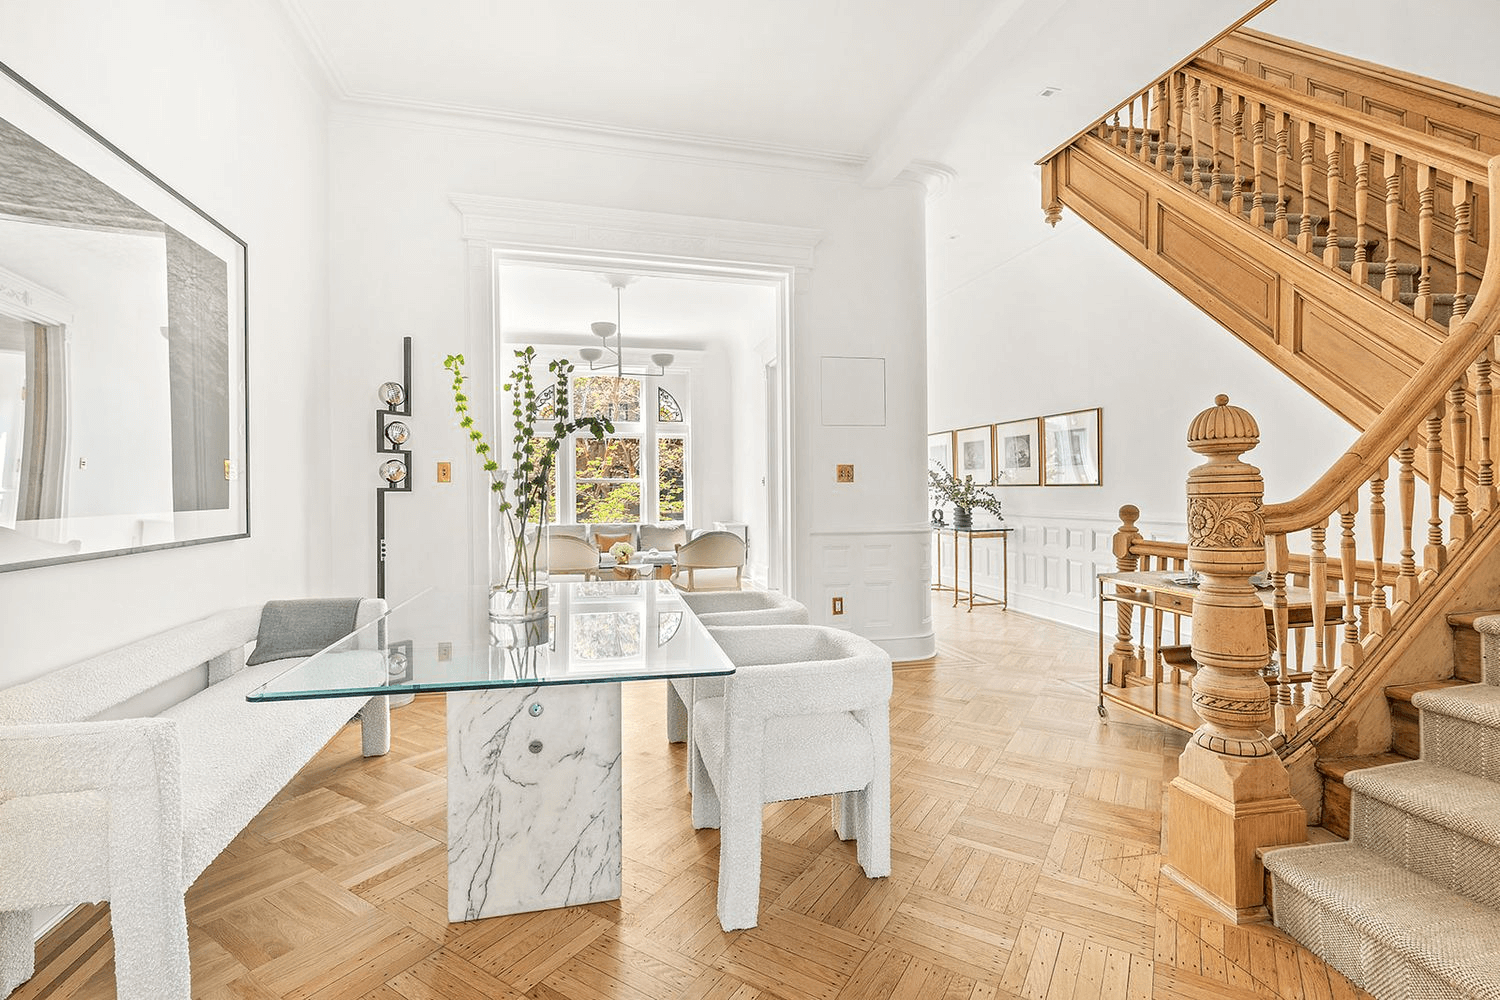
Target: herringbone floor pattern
x,y
1027,838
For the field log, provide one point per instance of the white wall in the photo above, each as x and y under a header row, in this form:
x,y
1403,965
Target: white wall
x,y
400,267
747,369
1074,322
213,98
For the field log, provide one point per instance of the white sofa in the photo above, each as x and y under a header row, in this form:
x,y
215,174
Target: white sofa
x,y
133,810
662,537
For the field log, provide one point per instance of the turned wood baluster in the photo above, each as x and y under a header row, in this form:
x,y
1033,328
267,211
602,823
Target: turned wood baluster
x,y
1237,146
1360,272
1282,163
1484,491
1422,307
1407,582
1277,560
1305,236
1122,658
1215,128
1195,112
1435,556
1143,150
1460,251
1318,585
1257,164
1461,523
1333,143
1350,653
1130,128
1164,114
1392,283
1378,618
1179,81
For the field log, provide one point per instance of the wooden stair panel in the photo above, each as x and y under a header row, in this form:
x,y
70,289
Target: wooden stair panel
x,y
1466,644
1340,342
1336,793
1406,720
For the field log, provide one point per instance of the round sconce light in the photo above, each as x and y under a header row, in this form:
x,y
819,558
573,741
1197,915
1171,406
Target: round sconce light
x,y
392,393
393,471
396,432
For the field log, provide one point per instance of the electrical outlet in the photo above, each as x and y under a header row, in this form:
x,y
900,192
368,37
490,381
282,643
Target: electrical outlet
x,y
230,472
445,652
846,473
445,472
838,605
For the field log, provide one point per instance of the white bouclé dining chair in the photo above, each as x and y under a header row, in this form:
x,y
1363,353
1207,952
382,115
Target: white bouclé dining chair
x,y
806,713
733,607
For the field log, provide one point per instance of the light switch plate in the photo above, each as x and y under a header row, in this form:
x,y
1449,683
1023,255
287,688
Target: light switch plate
x,y
445,472
846,473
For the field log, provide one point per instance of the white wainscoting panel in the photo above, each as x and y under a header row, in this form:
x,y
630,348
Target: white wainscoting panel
x,y
882,575
1055,559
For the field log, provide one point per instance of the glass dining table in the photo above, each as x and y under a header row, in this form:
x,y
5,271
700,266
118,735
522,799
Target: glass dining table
x,y
534,725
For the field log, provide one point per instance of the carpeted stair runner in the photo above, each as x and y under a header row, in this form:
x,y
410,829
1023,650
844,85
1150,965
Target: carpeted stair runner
x,y
1410,907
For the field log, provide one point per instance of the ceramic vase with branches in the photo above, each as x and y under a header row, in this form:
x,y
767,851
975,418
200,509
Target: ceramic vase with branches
x,y
522,484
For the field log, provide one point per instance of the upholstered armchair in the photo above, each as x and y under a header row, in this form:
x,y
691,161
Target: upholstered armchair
x,y
742,607
568,554
710,550
806,713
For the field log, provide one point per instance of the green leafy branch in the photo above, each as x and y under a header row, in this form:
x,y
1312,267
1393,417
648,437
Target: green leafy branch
x,y
522,486
962,492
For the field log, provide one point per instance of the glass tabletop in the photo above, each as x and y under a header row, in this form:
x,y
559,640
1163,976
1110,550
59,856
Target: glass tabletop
x,y
595,632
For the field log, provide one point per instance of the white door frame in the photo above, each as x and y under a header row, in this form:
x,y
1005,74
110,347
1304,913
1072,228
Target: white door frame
x,y
510,230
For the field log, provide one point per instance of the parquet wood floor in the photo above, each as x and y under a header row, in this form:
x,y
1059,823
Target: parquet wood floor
x,y
1027,843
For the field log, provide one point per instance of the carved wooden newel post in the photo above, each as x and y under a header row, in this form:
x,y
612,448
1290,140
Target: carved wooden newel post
x,y
1231,794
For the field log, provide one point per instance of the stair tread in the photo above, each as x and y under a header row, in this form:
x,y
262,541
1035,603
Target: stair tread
x,y
1466,619
1444,932
1451,799
1337,767
1404,692
1476,703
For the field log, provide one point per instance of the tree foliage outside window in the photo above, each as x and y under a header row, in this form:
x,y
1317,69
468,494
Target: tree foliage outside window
x,y
608,478
607,397
670,492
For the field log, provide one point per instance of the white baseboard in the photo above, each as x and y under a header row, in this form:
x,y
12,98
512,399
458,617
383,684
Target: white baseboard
x,y
905,648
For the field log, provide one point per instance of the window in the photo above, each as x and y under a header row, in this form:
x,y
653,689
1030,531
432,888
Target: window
x,y
639,473
607,479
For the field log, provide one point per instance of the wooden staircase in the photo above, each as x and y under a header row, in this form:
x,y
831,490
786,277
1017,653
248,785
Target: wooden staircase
x,y
1344,249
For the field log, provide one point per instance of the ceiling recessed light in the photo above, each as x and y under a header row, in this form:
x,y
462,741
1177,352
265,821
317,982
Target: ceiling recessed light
x,y
1050,91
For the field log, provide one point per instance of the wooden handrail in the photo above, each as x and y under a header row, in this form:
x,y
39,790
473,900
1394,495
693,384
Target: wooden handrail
x,y
1469,164
1393,426
1233,26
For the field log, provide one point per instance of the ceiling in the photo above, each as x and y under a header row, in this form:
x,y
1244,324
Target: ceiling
x,y
826,75
555,306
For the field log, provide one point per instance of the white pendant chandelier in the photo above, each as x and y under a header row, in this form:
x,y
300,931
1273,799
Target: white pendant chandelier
x,y
605,356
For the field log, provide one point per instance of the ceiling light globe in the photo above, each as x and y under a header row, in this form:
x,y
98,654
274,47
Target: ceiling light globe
x,y
661,360
603,330
590,354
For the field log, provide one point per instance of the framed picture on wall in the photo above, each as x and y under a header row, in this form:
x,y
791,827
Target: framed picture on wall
x,y
974,451
1018,457
1072,455
940,450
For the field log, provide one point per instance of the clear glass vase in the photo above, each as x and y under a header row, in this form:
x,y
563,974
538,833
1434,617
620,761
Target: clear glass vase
x,y
519,591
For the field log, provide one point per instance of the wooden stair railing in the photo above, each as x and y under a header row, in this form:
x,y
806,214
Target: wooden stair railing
x,y
1274,212
1232,793
1277,159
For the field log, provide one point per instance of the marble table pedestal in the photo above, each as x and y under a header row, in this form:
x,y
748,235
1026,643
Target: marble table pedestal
x,y
534,798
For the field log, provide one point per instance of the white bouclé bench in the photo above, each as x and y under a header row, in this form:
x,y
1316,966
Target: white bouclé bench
x,y
132,810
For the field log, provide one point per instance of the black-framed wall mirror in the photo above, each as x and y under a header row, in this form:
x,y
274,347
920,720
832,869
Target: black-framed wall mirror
x,y
123,387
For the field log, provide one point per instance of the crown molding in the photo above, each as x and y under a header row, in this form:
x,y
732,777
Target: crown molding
x,y
559,227
935,178
312,59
